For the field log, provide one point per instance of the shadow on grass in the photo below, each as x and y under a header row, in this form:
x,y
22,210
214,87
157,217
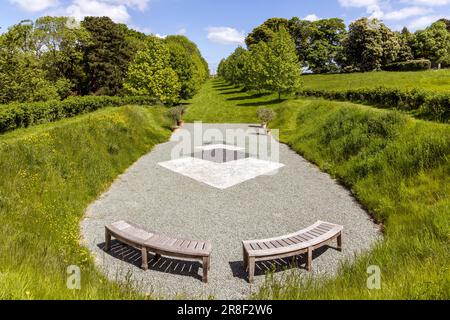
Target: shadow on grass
x,y
164,265
261,103
233,92
277,265
253,96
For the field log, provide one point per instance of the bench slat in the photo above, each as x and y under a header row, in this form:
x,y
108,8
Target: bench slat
x,y
308,237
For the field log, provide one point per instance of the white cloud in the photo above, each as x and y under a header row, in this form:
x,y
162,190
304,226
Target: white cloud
x,y
372,7
161,36
83,8
423,22
225,35
135,4
182,31
34,5
429,3
406,13
311,17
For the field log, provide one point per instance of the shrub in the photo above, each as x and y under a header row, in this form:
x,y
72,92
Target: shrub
x,y
265,115
21,115
412,65
431,106
176,113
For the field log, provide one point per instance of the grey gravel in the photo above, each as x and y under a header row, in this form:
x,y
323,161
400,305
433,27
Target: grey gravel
x,y
267,206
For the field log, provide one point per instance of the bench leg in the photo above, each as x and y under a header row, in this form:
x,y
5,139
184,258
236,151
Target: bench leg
x,y
339,242
251,269
205,267
144,258
107,241
244,253
209,263
309,259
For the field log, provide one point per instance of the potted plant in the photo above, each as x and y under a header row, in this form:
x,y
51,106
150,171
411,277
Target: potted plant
x,y
175,113
265,116
182,111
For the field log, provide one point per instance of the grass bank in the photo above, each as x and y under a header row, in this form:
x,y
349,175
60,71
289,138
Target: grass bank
x,y
49,174
433,80
398,168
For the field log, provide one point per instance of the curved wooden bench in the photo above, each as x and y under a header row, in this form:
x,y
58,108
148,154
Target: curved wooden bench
x,y
291,245
161,245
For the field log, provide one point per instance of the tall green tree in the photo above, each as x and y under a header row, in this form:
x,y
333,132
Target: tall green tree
x,y
433,43
150,73
324,44
106,57
61,51
282,66
187,62
368,45
22,78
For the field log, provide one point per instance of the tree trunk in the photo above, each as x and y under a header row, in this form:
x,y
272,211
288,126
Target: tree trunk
x,y
279,96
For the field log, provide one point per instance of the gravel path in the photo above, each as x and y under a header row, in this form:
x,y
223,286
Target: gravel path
x,y
266,206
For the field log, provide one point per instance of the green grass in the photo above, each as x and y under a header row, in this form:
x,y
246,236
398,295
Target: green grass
x,y
219,102
433,80
396,166
49,175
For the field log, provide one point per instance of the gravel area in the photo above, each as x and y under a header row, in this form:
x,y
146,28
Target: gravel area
x,y
266,206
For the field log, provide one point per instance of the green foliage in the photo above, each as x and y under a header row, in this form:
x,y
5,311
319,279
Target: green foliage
x,y
433,43
150,74
49,175
411,65
397,168
369,45
20,115
271,66
265,115
186,60
421,104
176,113
106,57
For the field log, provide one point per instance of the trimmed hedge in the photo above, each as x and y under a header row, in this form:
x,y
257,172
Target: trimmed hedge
x,y
426,105
412,65
21,115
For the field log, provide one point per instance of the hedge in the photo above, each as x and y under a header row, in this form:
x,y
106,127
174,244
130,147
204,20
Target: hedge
x,y
426,105
21,115
412,65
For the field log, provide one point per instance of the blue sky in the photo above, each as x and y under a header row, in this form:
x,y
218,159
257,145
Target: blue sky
x,y
219,26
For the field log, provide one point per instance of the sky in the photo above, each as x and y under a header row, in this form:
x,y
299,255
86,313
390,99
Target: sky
x,y
219,26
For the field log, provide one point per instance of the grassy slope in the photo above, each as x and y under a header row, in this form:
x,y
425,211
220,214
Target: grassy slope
x,y
49,174
397,167
433,80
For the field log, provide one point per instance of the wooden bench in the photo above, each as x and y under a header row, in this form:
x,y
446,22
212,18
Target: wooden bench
x,y
291,245
161,245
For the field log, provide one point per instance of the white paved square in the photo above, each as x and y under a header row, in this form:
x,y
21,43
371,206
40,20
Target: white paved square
x,y
221,175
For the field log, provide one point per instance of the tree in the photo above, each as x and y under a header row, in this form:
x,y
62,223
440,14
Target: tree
x,y
187,62
21,76
324,44
150,73
369,45
433,43
266,31
106,57
282,64
60,49
405,40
